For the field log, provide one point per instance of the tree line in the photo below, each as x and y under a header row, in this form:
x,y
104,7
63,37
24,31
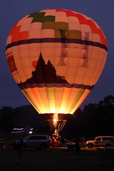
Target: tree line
x,y
93,120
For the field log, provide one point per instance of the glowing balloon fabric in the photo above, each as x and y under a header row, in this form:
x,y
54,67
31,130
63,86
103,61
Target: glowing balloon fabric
x,y
56,57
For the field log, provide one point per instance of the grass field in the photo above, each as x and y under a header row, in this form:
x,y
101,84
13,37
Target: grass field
x,y
53,159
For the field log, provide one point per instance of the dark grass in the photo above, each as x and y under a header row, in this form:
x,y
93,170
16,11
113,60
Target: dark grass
x,y
53,159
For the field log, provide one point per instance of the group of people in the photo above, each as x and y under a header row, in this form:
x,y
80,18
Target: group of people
x,y
20,147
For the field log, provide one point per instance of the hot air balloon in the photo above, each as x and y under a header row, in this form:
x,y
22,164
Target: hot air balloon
x,y
56,57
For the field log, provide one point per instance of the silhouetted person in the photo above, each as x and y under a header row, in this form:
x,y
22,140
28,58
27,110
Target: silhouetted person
x,y
19,149
77,147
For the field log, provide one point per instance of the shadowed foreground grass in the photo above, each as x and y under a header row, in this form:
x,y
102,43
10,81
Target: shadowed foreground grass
x,y
53,159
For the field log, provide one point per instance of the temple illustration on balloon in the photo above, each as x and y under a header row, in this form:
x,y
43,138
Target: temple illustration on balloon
x,y
44,73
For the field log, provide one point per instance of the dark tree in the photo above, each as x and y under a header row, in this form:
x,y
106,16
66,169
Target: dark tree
x,y
6,119
93,120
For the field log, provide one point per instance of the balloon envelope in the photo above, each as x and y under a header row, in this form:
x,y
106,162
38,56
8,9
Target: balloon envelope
x,y
56,57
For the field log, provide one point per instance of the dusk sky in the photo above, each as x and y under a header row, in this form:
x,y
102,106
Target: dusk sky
x,y
11,11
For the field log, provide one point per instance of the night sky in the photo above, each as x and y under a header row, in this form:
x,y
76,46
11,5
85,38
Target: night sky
x,y
11,11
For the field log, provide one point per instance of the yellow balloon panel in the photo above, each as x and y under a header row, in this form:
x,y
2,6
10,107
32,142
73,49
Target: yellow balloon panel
x,y
53,102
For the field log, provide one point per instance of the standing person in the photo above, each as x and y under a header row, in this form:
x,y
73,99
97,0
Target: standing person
x,y
19,149
77,146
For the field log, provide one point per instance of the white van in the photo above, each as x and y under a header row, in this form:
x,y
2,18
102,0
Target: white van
x,y
101,141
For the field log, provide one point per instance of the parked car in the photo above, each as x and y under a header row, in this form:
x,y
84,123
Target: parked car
x,y
33,141
101,141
